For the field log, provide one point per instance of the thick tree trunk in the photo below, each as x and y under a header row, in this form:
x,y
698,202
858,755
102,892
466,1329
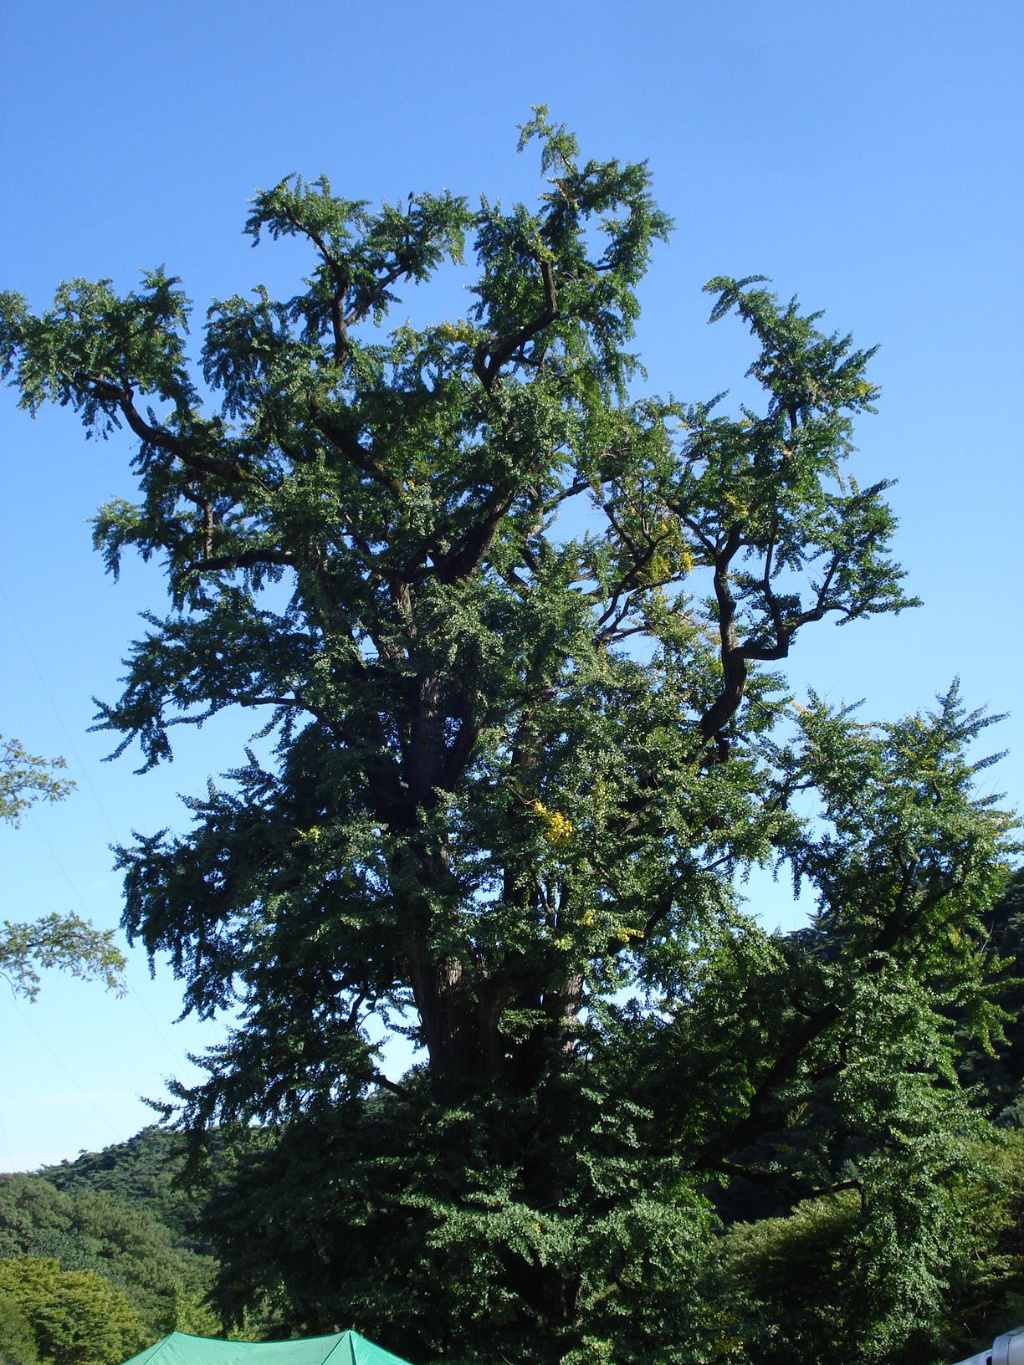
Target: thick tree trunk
x,y
461,1004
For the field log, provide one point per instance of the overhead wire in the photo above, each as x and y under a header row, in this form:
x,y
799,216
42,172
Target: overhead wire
x,y
82,770
90,1099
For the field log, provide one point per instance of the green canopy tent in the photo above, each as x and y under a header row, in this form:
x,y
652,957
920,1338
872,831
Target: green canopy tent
x,y
344,1348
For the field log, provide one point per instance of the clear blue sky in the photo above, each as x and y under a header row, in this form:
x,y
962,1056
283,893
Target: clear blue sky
x,y
865,155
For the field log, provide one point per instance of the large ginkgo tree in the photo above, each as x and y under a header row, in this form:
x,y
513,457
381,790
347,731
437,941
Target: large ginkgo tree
x,y
511,630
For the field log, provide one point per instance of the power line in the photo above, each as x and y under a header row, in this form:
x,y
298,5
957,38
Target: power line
x,y
67,1071
83,769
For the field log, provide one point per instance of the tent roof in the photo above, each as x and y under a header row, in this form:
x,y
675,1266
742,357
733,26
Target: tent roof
x,y
344,1348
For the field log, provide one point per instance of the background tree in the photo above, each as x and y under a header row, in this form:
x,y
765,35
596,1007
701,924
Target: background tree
x,y
509,626
24,779
78,1317
86,1228
65,941
17,1339
142,1173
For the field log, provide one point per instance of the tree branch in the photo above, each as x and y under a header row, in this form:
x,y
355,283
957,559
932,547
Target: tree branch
x,y
493,353
355,451
123,396
245,559
734,668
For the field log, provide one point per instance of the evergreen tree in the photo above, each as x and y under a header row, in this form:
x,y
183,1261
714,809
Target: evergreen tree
x,y
522,752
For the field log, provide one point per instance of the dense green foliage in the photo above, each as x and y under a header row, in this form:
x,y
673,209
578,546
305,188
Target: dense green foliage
x,y
999,1073
77,1317
144,1173
772,1289
127,1245
17,1338
54,940
508,628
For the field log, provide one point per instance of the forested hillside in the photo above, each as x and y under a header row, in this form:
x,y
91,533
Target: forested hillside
x,y
143,1172
101,1256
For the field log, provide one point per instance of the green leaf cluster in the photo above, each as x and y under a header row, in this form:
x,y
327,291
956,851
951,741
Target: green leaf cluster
x,y
55,940
25,779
